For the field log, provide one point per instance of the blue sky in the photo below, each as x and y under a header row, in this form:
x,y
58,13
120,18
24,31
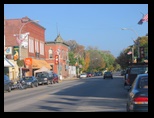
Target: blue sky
x,y
96,25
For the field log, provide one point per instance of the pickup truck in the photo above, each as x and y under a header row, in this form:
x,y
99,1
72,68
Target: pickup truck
x,y
134,70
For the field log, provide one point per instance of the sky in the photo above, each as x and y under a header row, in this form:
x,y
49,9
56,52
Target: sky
x,y
95,25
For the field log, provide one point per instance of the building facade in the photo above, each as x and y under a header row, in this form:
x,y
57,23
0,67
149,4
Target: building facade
x,y
26,39
58,49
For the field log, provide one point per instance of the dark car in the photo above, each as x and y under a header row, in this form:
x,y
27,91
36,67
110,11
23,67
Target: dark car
x,y
134,70
45,77
138,95
108,74
123,72
55,78
31,81
7,84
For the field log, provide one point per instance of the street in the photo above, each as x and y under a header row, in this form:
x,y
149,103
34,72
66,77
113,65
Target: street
x,y
93,94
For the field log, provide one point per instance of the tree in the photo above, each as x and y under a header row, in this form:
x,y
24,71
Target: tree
x,y
20,63
72,60
96,60
122,59
87,61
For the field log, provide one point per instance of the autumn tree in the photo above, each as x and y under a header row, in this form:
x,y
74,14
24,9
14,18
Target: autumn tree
x,y
86,61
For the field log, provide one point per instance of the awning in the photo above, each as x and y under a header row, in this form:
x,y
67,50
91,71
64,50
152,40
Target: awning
x,y
8,63
39,64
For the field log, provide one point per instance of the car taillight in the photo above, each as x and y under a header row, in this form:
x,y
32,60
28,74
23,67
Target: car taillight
x,y
128,80
141,100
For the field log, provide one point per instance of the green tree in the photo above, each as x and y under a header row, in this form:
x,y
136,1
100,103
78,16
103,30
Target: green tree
x,y
72,60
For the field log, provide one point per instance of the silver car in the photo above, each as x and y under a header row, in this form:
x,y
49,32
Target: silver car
x,y
83,75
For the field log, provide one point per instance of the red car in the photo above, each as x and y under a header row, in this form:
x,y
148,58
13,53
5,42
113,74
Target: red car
x,y
55,78
89,74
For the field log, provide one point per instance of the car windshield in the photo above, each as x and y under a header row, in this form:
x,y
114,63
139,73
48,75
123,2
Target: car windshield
x,y
44,75
28,78
138,70
107,72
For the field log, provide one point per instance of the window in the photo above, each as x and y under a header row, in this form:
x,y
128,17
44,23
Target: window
x,y
144,83
138,70
50,53
36,46
41,48
31,45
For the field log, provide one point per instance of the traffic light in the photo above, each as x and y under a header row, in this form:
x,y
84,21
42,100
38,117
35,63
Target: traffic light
x,y
141,52
56,59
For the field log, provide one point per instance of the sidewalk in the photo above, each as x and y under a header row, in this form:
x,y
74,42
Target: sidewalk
x,y
70,78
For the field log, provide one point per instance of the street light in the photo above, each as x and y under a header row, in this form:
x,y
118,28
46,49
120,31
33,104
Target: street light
x,y
19,37
133,40
59,71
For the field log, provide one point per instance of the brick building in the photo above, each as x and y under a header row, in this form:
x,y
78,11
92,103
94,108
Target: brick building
x,y
32,46
60,48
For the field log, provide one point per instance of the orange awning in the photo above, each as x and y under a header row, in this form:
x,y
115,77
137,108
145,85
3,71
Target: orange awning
x,y
39,64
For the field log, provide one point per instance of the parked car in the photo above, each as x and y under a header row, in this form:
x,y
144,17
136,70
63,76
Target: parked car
x,y
138,95
89,74
134,70
31,81
108,74
45,77
83,75
7,83
123,72
55,78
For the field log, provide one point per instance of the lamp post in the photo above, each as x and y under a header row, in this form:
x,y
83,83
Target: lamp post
x,y
19,37
59,71
138,51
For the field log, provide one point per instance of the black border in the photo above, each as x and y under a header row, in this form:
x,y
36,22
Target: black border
x,y
151,61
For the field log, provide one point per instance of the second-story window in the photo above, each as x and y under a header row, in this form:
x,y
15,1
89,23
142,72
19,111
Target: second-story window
x,y
50,53
41,48
31,45
36,46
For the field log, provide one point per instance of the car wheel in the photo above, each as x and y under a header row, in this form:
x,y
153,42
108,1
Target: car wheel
x,y
127,108
9,89
47,82
32,85
36,84
104,78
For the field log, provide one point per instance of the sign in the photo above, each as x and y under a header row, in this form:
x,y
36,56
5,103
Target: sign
x,y
16,53
28,61
8,50
56,59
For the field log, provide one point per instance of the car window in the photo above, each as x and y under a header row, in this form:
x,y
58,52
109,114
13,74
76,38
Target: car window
x,y
107,72
51,75
44,75
138,70
143,84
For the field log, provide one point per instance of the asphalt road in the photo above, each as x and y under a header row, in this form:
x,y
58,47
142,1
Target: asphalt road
x,y
79,95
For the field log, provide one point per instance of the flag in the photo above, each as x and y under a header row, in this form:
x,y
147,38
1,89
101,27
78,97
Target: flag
x,y
19,41
144,19
129,53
